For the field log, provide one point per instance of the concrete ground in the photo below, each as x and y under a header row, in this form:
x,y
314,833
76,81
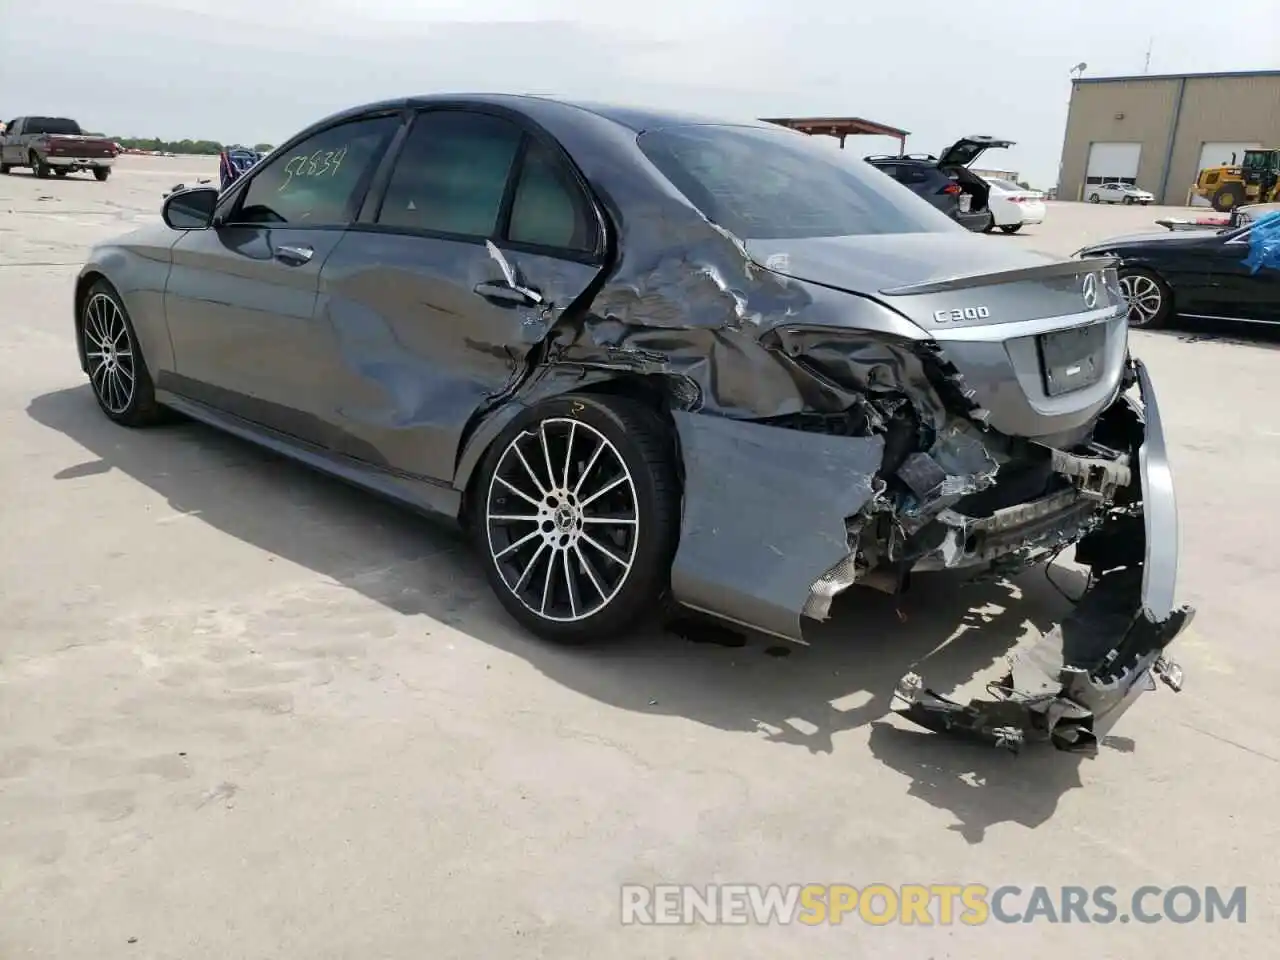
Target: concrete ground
x,y
248,712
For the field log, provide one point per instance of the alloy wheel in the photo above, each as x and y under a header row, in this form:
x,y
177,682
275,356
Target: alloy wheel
x,y
1143,296
108,348
562,519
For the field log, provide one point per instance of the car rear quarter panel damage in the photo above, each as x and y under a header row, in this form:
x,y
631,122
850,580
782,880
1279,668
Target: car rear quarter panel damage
x,y
830,437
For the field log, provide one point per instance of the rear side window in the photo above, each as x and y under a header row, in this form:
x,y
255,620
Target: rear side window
x,y
763,184
549,208
452,174
458,169
319,181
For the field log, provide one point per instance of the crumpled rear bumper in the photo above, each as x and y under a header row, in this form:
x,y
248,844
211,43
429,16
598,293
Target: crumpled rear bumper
x,y
765,511
1072,685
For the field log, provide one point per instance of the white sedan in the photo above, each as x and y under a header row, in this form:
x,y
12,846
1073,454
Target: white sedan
x,y
1012,206
1120,193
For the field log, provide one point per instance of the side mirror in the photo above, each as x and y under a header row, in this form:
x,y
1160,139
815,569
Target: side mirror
x,y
190,209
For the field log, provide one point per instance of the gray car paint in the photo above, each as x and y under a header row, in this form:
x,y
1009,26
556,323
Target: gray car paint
x,y
725,331
738,470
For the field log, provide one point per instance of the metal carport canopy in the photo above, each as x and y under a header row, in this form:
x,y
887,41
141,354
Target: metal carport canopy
x,y
841,127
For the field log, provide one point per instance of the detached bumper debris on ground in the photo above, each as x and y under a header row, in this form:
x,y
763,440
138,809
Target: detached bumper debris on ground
x,y
1070,687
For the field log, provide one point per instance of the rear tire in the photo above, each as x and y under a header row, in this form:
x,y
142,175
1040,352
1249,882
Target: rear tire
x,y
1012,228
5,168
59,173
38,167
576,514
102,173
1127,201
117,370
1149,297
1094,198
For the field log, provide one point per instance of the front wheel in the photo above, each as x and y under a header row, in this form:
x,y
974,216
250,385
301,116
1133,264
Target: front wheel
x,y
1128,201
1094,198
101,173
5,168
1012,228
1228,197
117,370
1149,299
576,514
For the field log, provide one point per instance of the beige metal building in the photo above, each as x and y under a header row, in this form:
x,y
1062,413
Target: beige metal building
x,y
1160,131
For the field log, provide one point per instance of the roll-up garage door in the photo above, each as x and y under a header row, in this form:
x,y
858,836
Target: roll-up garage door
x,y
1113,163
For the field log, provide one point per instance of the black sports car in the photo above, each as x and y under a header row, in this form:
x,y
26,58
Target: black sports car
x,y
1203,274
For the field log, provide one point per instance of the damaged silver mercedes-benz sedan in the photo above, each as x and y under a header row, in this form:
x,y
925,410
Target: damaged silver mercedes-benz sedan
x,y
649,359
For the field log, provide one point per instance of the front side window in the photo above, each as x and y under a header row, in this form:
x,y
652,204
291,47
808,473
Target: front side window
x,y
452,175
318,182
762,184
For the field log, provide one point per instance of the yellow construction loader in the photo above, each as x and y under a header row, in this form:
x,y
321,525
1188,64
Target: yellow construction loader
x,y
1256,179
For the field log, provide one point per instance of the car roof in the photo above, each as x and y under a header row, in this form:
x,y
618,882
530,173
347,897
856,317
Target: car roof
x,y
635,118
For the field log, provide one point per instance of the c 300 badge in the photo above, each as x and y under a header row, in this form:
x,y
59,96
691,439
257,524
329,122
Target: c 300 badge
x,y
961,313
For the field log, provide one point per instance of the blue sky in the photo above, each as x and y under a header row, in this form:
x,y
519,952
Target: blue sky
x,y
252,71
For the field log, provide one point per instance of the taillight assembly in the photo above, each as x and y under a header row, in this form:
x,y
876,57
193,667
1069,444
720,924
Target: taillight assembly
x,y
952,188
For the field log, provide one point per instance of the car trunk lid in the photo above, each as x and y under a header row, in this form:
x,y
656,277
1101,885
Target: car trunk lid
x,y
923,275
1038,341
967,149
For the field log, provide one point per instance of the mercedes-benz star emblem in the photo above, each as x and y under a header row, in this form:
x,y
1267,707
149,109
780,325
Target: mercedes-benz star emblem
x,y
1090,291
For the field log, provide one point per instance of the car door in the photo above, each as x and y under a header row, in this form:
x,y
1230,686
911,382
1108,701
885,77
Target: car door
x,y
241,294
1238,290
11,152
434,302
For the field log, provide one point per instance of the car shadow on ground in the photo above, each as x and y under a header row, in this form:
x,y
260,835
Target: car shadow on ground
x,y
802,695
1194,330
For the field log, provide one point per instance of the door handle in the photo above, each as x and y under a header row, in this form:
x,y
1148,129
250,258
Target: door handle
x,y
503,294
294,256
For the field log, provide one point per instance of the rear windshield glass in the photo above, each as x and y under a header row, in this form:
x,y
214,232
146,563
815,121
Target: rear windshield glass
x,y
54,125
761,184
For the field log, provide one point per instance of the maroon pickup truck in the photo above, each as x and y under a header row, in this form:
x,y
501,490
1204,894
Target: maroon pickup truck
x,y
54,146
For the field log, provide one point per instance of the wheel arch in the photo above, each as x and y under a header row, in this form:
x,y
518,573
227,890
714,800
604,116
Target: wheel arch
x,y
654,392
84,283
1146,266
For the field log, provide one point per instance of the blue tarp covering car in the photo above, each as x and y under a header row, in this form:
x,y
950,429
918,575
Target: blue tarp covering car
x,y
1264,243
